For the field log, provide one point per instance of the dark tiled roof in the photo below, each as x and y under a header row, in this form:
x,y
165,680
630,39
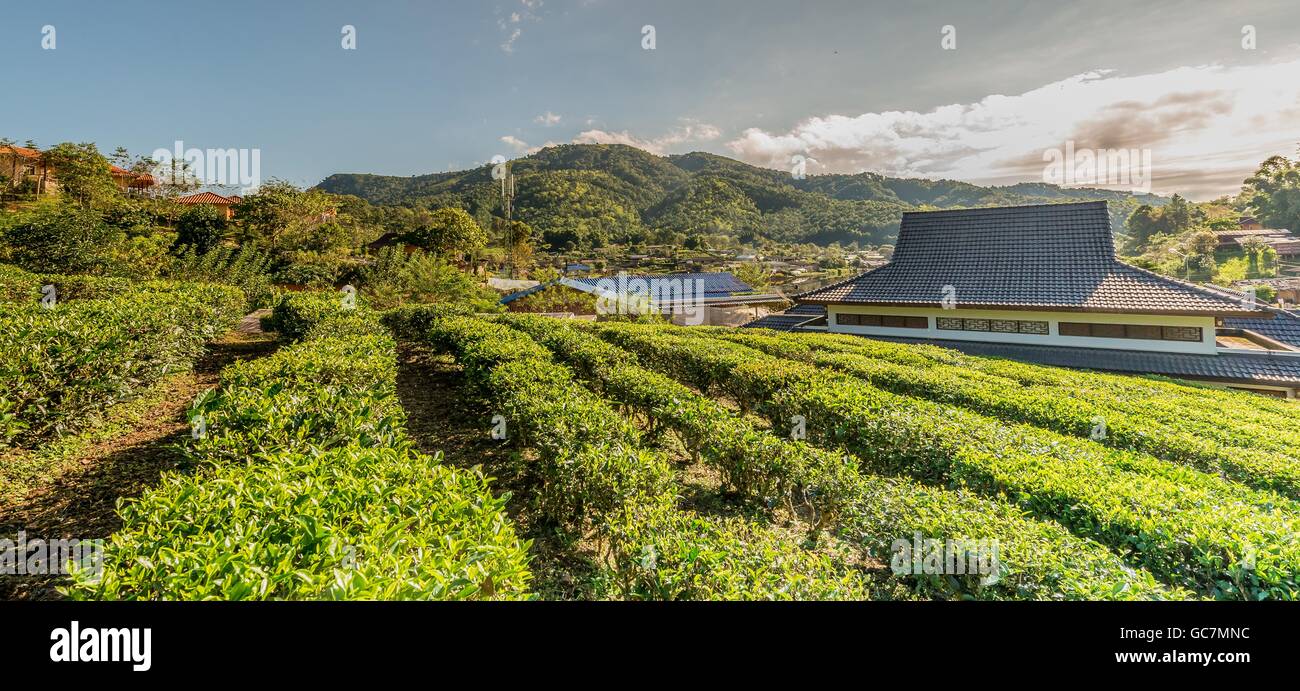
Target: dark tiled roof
x,y
715,284
1252,368
1050,256
1284,326
809,309
780,322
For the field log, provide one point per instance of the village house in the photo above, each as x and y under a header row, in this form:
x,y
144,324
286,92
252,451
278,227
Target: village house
x,y
26,171
1237,239
225,205
1042,284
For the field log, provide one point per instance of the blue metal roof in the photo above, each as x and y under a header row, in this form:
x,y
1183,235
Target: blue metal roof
x,y
526,292
715,284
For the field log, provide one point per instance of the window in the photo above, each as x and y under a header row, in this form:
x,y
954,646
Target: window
x,y
891,321
1108,331
1140,331
1006,326
1150,333
1181,333
1074,329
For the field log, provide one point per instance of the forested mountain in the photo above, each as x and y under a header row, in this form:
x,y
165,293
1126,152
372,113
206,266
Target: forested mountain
x,y
579,195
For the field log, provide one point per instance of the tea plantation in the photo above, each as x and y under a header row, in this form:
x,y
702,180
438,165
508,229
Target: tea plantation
x,y
645,461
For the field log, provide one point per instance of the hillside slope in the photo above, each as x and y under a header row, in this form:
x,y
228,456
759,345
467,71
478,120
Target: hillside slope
x,y
579,195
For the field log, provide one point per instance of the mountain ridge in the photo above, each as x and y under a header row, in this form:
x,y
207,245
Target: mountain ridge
x,y
583,195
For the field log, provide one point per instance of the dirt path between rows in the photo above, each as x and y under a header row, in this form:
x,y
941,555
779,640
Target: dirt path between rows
x,y
444,416
81,502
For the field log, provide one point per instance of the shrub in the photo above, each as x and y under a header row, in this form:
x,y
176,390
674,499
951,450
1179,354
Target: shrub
x,y
246,268
1188,528
60,367
61,237
596,474
17,285
997,396
1037,559
202,227
308,489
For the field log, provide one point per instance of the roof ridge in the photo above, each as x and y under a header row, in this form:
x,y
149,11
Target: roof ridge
x,y
1002,208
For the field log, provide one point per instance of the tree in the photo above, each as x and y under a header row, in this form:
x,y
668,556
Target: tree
x,y
1254,248
202,227
1273,193
449,230
120,157
279,214
1179,215
521,241
1200,249
61,237
755,274
1142,224
83,174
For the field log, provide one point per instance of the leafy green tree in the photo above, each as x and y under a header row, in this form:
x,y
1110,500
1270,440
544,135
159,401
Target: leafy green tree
x,y
83,174
1147,222
281,217
202,227
1273,193
120,157
1142,225
449,230
755,274
1200,249
545,274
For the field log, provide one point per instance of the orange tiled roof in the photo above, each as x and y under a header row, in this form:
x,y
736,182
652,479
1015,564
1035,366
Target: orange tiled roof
x,y
135,177
207,198
21,151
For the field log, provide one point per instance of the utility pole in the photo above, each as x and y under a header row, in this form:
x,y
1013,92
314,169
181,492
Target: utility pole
x,y
507,205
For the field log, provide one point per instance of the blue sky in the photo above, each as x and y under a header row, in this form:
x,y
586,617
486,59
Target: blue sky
x,y
852,85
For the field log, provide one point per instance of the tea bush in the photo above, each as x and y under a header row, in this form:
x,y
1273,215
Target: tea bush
x,y
1179,442
1037,559
595,474
60,367
307,488
1188,528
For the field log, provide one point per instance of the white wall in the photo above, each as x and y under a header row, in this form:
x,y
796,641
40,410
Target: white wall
x,y
1053,337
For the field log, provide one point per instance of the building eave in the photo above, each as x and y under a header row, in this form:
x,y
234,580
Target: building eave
x,y
1079,309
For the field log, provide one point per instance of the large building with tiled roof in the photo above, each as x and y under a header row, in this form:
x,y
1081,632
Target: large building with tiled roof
x,y
1042,284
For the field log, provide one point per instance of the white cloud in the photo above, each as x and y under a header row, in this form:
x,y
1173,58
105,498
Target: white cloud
x,y
511,25
689,132
516,143
509,44
1211,122
547,119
